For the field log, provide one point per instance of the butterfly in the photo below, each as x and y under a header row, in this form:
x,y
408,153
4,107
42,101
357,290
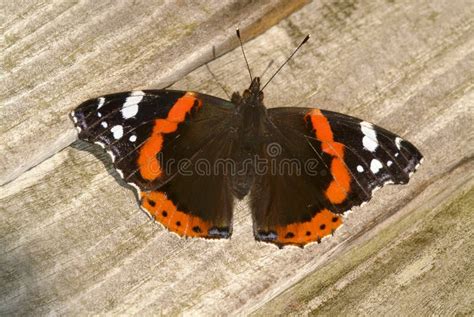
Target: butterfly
x,y
191,155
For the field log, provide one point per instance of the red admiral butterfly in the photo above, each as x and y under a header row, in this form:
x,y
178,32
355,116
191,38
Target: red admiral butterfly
x,y
189,154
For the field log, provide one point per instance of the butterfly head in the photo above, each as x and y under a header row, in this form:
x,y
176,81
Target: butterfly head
x,y
253,96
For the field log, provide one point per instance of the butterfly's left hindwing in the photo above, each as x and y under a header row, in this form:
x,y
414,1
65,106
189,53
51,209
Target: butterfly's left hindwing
x,y
149,134
348,159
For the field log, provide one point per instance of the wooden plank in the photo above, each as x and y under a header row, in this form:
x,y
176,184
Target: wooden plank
x,y
74,240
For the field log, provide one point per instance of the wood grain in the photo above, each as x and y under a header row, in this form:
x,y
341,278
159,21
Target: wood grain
x,y
73,238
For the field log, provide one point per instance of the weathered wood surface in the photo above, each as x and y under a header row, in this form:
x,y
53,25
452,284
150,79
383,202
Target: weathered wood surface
x,y
73,239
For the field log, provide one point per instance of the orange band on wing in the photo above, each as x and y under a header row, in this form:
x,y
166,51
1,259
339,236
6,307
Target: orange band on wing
x,y
321,225
148,163
321,126
166,212
340,185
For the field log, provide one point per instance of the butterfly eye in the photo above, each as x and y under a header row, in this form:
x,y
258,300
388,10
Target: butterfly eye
x,y
260,96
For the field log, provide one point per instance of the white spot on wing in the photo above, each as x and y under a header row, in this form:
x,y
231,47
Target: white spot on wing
x,y
102,145
104,124
132,138
130,107
375,166
112,156
117,131
99,114
398,142
420,162
360,169
370,136
389,163
101,102
119,172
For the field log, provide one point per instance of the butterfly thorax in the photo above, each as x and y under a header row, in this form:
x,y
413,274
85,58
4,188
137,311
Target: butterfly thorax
x,y
251,117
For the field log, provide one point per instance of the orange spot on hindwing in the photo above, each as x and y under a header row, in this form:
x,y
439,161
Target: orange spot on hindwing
x,y
322,224
339,187
165,211
148,163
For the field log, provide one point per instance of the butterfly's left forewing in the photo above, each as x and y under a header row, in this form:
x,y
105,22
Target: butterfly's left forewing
x,y
153,137
342,159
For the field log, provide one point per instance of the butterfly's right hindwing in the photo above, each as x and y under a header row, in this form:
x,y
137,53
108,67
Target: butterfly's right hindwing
x,y
351,159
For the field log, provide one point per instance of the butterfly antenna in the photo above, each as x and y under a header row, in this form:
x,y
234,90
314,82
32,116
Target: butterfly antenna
x,y
243,52
267,68
287,60
213,75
